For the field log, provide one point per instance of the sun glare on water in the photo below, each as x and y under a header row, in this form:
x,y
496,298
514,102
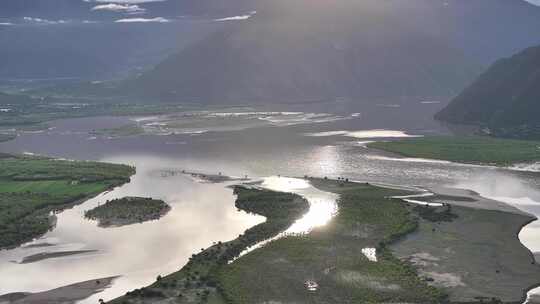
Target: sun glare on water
x,y
322,205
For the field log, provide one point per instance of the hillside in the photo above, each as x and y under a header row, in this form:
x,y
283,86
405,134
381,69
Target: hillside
x,y
505,99
293,51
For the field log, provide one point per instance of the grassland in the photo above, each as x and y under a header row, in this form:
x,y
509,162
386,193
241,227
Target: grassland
x,y
127,211
475,257
31,188
469,149
197,282
24,111
332,256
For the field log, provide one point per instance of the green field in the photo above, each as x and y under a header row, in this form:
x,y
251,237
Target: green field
x,y
197,282
472,149
332,256
30,188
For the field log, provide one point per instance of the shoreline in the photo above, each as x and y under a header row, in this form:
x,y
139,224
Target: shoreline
x,y
218,247
534,286
450,149
68,294
60,208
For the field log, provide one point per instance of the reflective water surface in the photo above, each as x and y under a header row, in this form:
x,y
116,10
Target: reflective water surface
x,y
203,213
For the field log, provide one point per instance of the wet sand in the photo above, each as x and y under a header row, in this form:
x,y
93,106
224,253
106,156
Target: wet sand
x,y
478,254
69,294
51,255
471,199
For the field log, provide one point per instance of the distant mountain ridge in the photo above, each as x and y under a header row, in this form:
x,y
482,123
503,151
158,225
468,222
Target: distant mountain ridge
x,y
505,99
300,50
289,51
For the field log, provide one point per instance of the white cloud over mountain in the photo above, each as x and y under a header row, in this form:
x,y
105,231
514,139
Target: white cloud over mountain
x,y
124,1
144,20
44,21
237,18
120,8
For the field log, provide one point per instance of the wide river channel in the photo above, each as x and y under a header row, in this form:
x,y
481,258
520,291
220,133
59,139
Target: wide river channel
x,y
203,213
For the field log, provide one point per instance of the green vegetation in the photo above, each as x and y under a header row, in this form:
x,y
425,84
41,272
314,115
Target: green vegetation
x,y
22,112
471,149
7,137
197,282
31,188
504,99
476,257
128,210
331,256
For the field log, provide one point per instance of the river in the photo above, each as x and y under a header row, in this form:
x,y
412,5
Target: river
x,y
203,213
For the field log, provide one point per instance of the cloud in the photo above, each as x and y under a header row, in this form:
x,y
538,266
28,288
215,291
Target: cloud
x,y
44,21
237,18
133,20
124,1
535,2
120,8
6,23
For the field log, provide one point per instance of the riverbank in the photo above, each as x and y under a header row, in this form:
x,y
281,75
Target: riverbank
x,y
377,249
70,294
465,149
197,281
32,189
127,211
345,261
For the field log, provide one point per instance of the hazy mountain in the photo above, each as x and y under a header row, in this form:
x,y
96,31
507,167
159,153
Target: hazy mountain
x,y
506,98
288,51
91,51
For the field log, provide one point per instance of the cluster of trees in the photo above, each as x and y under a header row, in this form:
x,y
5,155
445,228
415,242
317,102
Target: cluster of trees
x,y
128,210
24,168
25,215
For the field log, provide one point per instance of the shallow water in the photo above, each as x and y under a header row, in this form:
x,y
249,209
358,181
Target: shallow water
x,y
204,213
201,214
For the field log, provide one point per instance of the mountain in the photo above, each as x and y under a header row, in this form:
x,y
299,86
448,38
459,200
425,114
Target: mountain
x,y
91,51
505,99
71,39
300,50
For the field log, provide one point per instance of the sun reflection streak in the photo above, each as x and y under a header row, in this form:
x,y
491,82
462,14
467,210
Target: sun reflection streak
x,y
322,206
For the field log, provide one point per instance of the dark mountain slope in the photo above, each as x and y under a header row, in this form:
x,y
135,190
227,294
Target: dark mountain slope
x,y
92,51
303,50
506,98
